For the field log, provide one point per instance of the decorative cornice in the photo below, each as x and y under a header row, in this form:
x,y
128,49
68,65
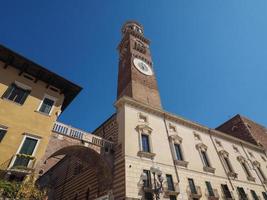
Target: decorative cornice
x,y
256,163
179,120
224,153
241,159
201,146
145,128
175,138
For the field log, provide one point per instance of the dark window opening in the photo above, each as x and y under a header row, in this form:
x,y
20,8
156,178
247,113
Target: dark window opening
x,y
148,196
2,134
192,186
226,191
147,183
263,177
26,149
16,94
178,151
254,195
205,158
172,197
228,164
46,106
170,182
242,193
210,189
246,168
145,143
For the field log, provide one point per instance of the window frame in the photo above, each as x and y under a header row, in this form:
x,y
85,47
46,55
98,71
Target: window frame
x,y
254,195
245,166
47,96
180,151
147,183
205,158
241,192
226,161
210,189
148,150
19,85
194,189
170,185
146,130
264,194
20,146
226,192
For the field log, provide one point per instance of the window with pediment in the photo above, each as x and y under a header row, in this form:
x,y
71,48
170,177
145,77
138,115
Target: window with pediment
x,y
227,163
177,150
145,141
245,167
202,149
260,172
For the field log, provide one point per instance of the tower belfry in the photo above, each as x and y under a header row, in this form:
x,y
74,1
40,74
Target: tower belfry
x,y
136,77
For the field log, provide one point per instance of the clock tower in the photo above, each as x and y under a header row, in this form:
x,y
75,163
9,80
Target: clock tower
x,y
136,77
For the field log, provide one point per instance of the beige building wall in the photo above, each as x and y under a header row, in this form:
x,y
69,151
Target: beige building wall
x,y
133,115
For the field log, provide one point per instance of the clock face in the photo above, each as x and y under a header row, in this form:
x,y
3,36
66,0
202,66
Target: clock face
x,y
142,67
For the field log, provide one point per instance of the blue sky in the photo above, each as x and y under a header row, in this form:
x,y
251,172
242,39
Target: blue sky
x,y
210,56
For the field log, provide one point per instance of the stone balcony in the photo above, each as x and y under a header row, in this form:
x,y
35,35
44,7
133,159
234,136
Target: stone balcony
x,y
87,137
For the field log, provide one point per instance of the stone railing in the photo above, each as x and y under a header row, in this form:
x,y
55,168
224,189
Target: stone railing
x,y
87,137
68,130
194,193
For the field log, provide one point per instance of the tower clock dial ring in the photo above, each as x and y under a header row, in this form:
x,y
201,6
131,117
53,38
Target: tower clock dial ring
x,y
142,67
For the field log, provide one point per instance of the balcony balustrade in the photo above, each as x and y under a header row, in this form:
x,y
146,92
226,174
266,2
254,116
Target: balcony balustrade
x,y
194,193
70,131
214,196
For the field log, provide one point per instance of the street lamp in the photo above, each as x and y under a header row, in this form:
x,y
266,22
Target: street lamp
x,y
157,179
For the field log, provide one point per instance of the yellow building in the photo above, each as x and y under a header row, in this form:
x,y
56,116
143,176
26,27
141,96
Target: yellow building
x,y
31,100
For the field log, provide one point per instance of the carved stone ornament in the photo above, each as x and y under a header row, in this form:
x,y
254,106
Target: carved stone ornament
x,y
241,159
201,146
175,139
256,163
223,153
143,128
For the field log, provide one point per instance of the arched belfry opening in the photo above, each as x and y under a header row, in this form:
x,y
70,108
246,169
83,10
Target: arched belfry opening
x,y
80,168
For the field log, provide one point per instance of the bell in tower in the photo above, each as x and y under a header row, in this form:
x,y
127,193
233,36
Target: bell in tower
x,y
136,77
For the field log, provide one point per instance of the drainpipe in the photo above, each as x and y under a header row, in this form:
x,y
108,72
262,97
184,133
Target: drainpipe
x,y
167,132
232,186
253,166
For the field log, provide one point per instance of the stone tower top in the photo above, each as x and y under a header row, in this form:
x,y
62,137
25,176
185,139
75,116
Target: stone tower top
x,y
132,26
136,77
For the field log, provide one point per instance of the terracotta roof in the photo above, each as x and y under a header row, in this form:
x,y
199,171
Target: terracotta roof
x,y
245,129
